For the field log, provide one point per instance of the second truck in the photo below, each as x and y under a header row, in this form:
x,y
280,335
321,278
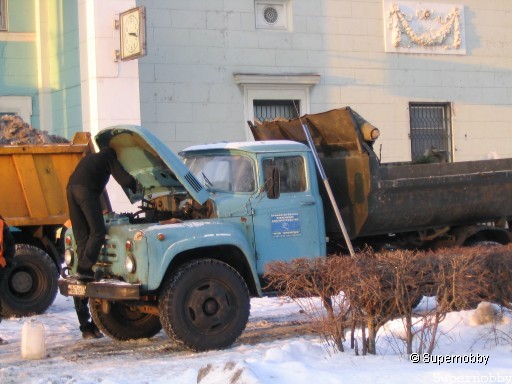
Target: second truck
x,y
33,203
211,220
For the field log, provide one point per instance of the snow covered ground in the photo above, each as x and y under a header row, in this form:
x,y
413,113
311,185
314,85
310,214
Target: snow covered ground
x,y
266,353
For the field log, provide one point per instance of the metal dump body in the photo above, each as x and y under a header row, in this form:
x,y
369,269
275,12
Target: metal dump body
x,y
34,179
377,198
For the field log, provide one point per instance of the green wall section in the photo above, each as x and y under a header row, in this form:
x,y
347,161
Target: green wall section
x,y
18,60
22,15
18,71
61,63
64,58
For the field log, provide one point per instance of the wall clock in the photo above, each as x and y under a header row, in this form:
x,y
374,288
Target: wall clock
x,y
133,33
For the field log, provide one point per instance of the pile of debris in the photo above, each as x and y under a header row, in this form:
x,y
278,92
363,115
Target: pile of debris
x,y
14,131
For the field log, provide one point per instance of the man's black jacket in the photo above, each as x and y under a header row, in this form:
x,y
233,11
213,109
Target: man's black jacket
x,y
94,170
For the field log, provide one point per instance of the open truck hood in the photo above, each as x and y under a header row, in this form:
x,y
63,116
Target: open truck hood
x,y
151,162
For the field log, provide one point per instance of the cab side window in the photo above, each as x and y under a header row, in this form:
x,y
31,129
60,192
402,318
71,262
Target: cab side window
x,y
291,170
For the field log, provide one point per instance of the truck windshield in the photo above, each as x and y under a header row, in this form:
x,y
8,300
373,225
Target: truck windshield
x,y
226,173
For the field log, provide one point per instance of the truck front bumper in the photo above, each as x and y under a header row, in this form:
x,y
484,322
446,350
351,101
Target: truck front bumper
x,y
105,289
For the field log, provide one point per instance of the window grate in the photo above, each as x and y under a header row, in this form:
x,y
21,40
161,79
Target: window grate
x,y
431,133
267,110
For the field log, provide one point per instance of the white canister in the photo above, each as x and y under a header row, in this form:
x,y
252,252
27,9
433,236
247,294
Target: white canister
x,y
32,340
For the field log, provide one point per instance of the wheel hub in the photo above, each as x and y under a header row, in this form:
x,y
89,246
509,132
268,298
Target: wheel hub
x,y
210,307
21,281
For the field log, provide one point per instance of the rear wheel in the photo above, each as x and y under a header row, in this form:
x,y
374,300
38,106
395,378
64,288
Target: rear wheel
x,y
30,283
123,322
205,305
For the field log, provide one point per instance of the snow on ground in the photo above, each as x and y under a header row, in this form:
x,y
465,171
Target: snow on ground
x,y
273,359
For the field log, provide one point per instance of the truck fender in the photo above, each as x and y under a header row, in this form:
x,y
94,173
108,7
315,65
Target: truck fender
x,y
212,237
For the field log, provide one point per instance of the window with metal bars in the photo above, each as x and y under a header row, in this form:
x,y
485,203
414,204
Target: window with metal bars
x,y
267,110
3,15
431,132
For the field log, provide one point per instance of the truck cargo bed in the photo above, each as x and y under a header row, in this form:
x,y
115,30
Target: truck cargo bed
x,y
34,179
414,197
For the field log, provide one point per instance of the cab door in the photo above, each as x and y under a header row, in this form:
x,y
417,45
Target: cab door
x,y
290,226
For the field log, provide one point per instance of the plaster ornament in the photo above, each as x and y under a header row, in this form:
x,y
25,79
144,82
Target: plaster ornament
x,y
400,24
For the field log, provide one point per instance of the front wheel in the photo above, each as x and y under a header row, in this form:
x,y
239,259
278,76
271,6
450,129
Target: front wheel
x,y
29,285
123,322
205,305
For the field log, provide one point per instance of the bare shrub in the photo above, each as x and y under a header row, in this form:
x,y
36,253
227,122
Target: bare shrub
x,y
462,278
499,264
412,272
367,284
307,280
368,290
460,281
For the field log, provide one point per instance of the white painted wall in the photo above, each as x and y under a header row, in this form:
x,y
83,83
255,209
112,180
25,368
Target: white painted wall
x,y
110,90
189,94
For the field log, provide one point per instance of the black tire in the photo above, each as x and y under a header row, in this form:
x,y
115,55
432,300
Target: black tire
x,y
30,284
205,305
124,322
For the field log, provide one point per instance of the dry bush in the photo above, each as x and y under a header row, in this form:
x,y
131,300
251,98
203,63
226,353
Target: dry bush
x,y
306,280
413,278
368,290
367,283
499,264
462,277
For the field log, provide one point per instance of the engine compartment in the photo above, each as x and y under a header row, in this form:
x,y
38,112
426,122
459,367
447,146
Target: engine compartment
x,y
178,206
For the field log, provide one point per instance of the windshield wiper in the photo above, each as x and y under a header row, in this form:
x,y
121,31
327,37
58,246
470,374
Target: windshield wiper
x,y
207,182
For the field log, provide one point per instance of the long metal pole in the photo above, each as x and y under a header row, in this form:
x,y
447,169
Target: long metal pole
x,y
327,186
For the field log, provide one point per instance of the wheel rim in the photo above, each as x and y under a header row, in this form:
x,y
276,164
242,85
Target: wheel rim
x,y
210,307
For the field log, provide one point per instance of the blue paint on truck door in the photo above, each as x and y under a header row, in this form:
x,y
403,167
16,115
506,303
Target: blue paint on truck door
x,y
290,226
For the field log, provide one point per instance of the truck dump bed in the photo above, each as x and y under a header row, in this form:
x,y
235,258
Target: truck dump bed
x,y
34,179
377,198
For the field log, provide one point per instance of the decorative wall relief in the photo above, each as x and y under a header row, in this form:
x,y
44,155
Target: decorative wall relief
x,y
417,27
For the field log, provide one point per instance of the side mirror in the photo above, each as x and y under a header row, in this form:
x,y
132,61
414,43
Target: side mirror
x,y
274,182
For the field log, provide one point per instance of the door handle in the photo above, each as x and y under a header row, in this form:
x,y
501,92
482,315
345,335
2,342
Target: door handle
x,y
307,203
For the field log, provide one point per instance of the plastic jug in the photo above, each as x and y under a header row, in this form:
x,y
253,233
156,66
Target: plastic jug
x,y
32,340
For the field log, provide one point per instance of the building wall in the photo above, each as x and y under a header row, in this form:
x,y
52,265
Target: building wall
x,y
39,62
64,71
18,59
189,94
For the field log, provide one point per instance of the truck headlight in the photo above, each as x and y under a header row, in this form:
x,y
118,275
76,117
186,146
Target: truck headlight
x,y
129,264
69,257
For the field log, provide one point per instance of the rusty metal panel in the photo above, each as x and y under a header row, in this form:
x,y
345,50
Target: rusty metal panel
x,y
333,132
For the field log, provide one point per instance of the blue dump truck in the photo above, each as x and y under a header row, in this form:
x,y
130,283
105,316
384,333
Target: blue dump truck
x,y
211,219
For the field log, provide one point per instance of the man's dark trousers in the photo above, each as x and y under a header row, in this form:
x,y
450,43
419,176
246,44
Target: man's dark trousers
x,y
86,216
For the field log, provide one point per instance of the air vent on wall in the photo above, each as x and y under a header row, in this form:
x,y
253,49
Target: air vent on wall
x,y
272,14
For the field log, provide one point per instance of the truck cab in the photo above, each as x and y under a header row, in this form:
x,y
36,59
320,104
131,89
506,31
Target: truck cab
x,y
285,224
